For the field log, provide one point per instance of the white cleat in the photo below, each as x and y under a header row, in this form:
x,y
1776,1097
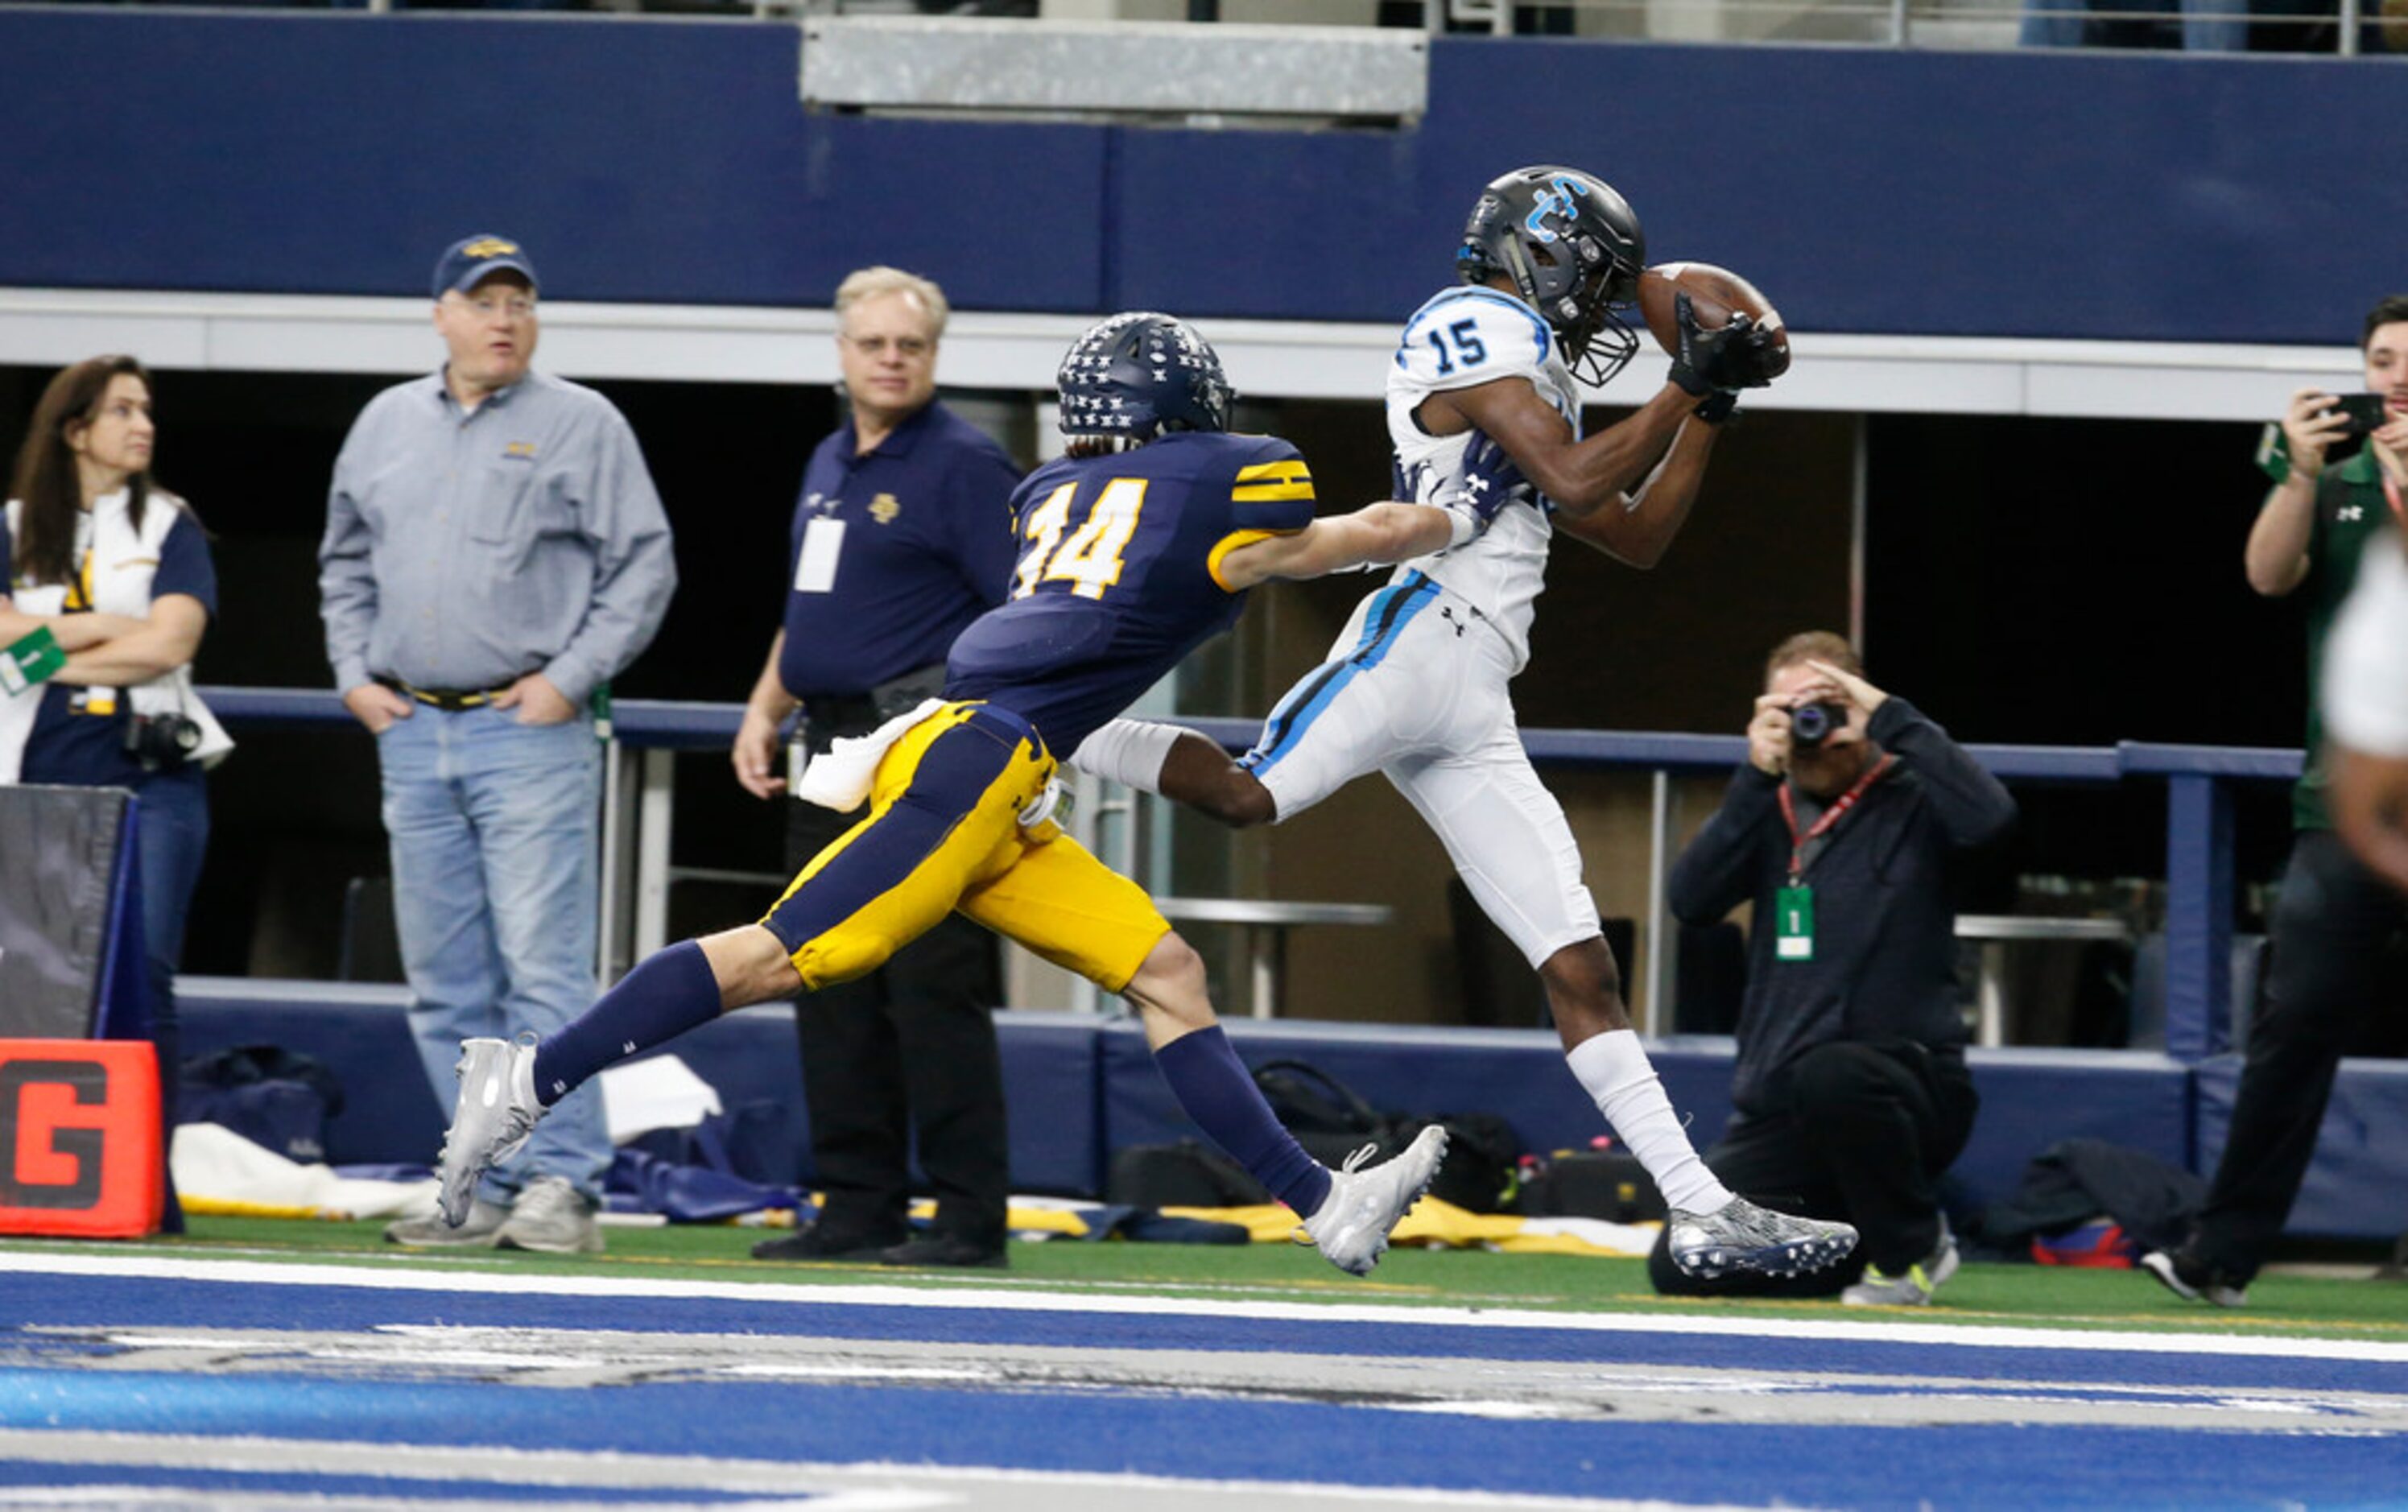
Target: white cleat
x,y
1351,1226
496,1113
1741,1237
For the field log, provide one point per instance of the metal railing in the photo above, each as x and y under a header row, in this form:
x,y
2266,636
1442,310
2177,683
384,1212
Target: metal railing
x,y
2195,25
646,735
2336,27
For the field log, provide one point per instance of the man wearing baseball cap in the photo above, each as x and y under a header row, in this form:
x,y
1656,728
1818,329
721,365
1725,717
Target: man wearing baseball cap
x,y
495,554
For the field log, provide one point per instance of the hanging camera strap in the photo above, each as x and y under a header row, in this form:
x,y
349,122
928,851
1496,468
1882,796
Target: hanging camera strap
x,y
1832,816
1793,907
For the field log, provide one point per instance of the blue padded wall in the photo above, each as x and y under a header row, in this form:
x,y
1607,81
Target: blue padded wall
x,y
2358,1184
668,163
390,1114
2125,196
1518,1075
1081,1087
2032,1099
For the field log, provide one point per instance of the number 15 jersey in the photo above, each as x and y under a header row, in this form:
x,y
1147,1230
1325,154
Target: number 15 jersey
x,y
1118,574
1464,338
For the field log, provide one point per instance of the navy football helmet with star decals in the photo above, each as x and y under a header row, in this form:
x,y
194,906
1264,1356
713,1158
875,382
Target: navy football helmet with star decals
x,y
1135,375
1574,250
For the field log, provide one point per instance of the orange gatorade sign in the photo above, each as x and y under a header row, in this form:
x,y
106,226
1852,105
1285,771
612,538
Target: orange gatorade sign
x,y
80,1140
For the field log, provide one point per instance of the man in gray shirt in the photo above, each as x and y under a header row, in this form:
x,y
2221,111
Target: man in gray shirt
x,y
494,552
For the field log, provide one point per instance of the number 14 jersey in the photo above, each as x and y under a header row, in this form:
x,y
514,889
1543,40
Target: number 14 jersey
x,y
1118,574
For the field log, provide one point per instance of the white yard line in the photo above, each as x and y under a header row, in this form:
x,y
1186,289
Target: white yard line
x,y
865,1487
521,1284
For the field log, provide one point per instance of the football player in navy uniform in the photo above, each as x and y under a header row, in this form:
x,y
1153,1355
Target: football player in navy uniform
x,y
1415,687
1135,548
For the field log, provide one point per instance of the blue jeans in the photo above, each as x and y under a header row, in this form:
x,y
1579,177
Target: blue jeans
x,y
2207,25
171,834
495,828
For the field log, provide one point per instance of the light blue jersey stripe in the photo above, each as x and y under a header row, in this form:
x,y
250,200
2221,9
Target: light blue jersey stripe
x,y
1391,610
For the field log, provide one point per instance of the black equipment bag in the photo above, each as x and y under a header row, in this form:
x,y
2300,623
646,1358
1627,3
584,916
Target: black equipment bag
x,y
1332,1120
1189,1173
1592,1184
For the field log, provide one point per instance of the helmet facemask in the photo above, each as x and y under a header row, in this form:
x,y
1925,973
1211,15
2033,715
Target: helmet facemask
x,y
1597,343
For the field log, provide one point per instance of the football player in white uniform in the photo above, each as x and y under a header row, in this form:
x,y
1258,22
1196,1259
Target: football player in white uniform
x,y
1415,687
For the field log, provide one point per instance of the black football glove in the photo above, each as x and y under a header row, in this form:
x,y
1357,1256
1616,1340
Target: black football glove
x,y
1721,361
1720,407
1479,490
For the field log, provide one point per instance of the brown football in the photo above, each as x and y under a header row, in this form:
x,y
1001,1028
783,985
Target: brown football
x,y
1715,294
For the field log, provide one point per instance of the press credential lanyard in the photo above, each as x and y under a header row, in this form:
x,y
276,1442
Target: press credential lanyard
x,y
1793,906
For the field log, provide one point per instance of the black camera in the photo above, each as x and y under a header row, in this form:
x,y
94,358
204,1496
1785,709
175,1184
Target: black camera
x,y
1811,723
161,741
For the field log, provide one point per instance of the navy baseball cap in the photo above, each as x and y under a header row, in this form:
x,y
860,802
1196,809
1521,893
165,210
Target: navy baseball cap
x,y
472,259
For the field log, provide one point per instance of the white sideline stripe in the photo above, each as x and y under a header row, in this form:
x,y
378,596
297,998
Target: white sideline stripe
x,y
498,1283
866,1486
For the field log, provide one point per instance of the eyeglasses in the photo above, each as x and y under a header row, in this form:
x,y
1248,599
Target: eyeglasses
x,y
902,346
516,306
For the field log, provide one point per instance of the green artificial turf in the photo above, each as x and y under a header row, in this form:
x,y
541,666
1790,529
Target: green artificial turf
x,y
1995,1294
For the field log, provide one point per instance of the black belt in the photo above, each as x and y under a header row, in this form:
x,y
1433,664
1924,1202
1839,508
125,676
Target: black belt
x,y
451,700
841,713
829,715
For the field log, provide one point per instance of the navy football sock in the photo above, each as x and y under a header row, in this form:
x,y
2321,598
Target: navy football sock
x,y
666,993
1212,1084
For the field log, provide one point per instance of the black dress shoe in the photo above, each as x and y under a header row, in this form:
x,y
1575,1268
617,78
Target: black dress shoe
x,y
821,1242
948,1249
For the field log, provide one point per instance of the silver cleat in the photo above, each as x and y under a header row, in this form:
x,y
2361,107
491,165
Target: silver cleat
x,y
1351,1226
496,1113
1743,1236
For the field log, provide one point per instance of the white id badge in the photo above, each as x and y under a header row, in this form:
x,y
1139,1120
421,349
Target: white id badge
x,y
815,568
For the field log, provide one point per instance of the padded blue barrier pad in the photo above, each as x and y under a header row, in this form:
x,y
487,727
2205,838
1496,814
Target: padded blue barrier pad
x,y
2356,1187
362,1034
2148,995
1081,1087
2031,1097
632,187
390,1114
1049,1075
1518,1075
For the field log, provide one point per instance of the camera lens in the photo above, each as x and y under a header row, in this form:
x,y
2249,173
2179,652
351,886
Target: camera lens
x,y
1809,725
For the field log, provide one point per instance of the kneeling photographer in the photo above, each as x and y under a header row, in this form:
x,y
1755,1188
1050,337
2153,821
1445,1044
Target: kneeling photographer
x,y
106,585
1850,1096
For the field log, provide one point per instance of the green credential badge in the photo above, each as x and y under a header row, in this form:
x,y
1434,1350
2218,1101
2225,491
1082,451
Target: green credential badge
x,y
1793,937
30,662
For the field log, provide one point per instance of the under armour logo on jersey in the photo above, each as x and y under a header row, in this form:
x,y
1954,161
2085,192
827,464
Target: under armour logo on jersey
x,y
2350,512
1556,201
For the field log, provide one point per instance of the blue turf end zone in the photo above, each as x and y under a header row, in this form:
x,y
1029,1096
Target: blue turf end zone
x,y
1158,1432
